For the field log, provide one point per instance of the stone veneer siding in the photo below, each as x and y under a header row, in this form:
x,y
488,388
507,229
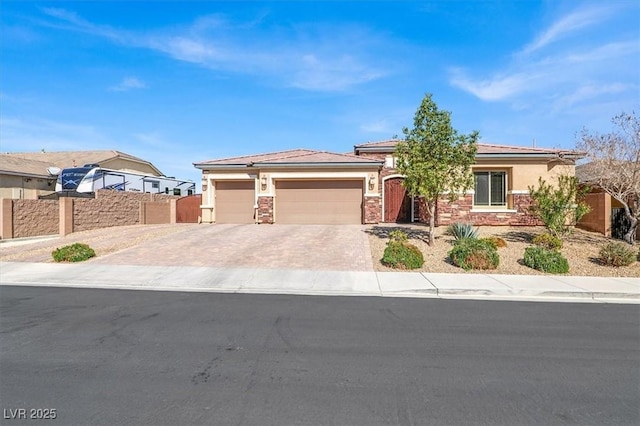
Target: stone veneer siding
x,y
372,210
460,211
265,209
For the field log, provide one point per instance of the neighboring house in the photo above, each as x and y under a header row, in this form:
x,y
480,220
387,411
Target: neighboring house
x,y
306,186
25,174
607,214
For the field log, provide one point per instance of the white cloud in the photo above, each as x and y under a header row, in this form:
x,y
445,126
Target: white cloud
x,y
34,134
559,75
567,25
591,91
128,83
315,58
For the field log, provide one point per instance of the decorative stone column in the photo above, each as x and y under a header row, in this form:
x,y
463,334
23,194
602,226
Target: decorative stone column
x,y
372,209
265,209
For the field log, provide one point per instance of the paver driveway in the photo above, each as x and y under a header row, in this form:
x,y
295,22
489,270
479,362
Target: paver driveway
x,y
317,247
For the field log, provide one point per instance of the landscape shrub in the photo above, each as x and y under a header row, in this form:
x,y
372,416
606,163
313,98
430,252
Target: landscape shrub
x,y
496,242
462,230
546,260
398,236
77,252
616,254
473,253
402,256
547,240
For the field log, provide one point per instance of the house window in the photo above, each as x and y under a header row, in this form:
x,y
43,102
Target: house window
x,y
155,185
390,162
176,191
490,189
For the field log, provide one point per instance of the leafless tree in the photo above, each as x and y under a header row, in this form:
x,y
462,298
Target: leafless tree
x,y
614,165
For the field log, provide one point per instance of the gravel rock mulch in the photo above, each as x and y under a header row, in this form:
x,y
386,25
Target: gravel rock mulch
x,y
580,248
103,241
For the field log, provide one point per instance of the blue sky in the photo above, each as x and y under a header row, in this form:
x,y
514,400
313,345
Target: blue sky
x,y
180,82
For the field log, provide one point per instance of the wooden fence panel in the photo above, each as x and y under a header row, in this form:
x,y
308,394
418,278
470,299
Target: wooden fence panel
x,y
188,209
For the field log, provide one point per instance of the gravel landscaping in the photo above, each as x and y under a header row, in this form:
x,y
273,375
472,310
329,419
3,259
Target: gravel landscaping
x,y
580,248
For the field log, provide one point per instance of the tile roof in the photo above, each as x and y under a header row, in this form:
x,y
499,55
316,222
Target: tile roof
x,y
294,156
62,159
483,148
21,166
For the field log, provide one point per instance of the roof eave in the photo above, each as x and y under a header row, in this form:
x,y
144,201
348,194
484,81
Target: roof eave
x,y
375,149
205,166
566,156
320,165
29,175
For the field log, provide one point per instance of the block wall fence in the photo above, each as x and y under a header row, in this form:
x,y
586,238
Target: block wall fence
x,y
31,218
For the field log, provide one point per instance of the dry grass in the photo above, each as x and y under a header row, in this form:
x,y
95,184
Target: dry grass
x,y
580,248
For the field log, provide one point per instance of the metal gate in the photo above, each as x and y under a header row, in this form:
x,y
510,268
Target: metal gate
x,y
619,223
188,209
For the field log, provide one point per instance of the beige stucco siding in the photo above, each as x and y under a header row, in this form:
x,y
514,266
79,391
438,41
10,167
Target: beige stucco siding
x,y
521,175
17,187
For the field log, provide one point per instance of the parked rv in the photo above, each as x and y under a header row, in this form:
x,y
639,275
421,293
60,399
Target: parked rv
x,y
92,177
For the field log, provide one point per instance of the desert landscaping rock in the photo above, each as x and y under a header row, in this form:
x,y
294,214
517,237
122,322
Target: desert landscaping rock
x,y
580,248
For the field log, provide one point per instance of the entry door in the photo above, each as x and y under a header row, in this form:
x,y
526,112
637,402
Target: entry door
x,y
397,203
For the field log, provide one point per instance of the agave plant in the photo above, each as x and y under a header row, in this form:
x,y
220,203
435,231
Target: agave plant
x,y
462,230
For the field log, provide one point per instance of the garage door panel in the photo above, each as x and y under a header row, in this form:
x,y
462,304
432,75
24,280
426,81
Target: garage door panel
x,y
319,202
235,201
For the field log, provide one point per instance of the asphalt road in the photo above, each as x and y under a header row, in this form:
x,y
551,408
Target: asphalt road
x,y
141,357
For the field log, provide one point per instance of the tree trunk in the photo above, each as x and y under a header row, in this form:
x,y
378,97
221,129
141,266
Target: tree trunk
x,y
431,209
630,236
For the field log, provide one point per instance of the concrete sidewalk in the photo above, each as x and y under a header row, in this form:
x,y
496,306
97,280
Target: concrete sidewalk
x,y
329,283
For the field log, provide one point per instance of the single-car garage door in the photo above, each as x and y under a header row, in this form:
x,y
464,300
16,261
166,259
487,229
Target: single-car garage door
x,y
234,201
319,202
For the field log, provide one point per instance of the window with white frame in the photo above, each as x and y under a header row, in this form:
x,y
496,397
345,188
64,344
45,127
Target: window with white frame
x,y
490,189
390,162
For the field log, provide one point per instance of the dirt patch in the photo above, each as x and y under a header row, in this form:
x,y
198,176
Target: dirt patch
x,y
580,248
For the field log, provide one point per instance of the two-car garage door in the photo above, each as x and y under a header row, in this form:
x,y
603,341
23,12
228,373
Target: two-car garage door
x,y
296,201
318,201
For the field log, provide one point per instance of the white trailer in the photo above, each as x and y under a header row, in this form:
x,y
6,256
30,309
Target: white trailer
x,y
92,177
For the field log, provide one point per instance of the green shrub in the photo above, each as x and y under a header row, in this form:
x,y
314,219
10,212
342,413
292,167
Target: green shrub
x,y
616,254
496,242
402,256
398,236
462,230
548,241
73,253
472,253
546,260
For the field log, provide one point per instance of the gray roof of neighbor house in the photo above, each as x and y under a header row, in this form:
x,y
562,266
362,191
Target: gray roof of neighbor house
x,y
484,150
33,162
290,158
